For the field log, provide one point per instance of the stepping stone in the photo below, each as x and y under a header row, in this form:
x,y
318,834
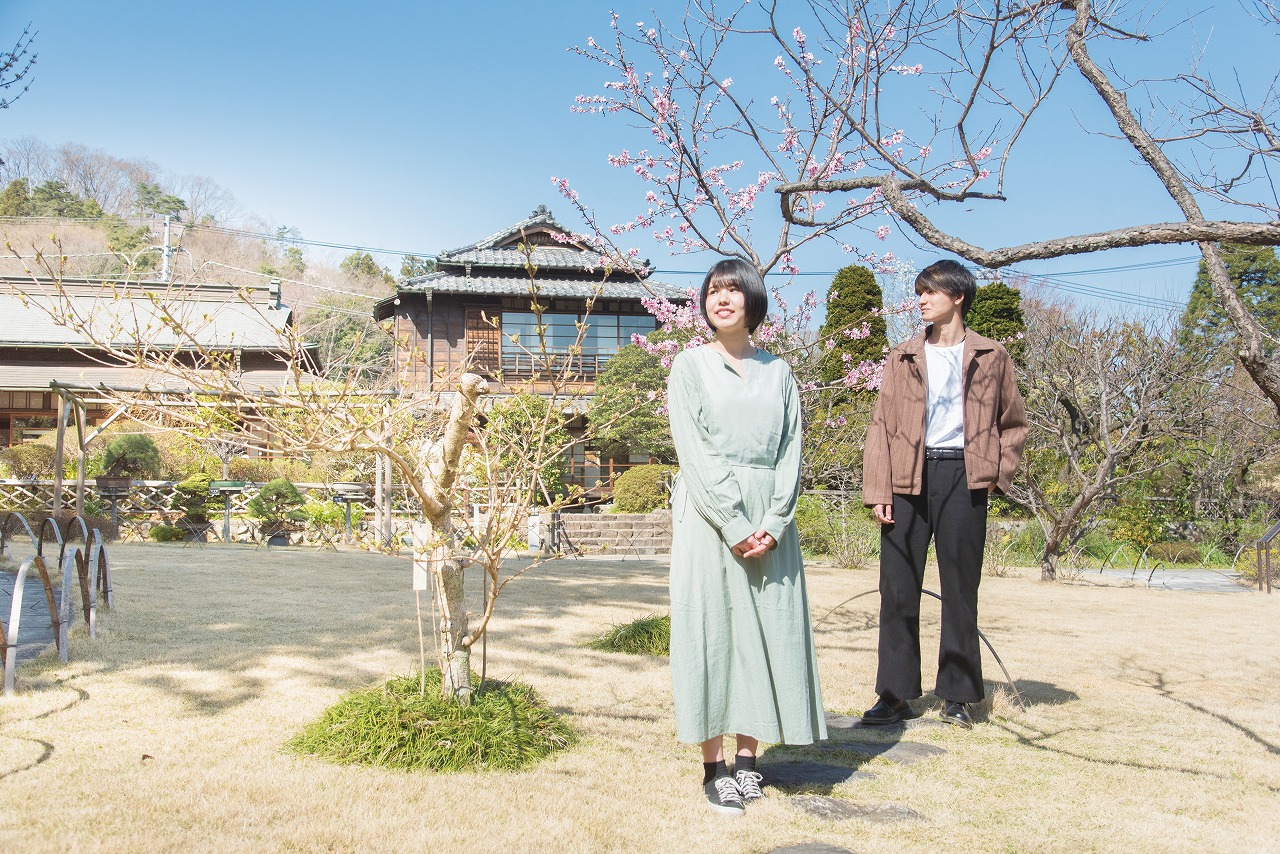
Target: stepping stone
x,y
853,723
801,775
811,848
901,752
836,809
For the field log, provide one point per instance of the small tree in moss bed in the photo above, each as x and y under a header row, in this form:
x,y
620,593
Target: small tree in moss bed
x,y
400,725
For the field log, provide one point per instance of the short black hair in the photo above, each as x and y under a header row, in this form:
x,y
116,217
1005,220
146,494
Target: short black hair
x,y
948,277
735,271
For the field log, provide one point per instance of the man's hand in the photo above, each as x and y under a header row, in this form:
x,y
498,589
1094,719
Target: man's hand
x,y
883,513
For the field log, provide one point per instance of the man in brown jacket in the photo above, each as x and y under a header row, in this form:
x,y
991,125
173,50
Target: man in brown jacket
x,y
948,430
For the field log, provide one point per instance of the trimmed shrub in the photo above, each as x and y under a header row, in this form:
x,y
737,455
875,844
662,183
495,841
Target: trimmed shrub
x,y
276,503
31,461
642,489
167,533
194,498
132,455
398,725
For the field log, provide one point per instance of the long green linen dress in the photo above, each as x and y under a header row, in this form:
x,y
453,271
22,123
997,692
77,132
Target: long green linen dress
x,y
742,654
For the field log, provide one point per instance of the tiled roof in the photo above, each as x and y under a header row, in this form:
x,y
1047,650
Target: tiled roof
x,y
540,218
38,377
222,323
447,282
544,257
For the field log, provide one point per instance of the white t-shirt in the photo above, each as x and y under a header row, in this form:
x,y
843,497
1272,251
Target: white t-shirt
x,y
944,405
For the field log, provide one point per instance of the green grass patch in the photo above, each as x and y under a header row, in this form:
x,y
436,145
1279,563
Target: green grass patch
x,y
505,727
646,636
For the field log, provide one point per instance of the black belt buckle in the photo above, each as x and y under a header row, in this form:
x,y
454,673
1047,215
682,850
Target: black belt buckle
x,y
944,453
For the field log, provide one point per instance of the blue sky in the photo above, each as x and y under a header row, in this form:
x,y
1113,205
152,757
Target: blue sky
x,y
422,126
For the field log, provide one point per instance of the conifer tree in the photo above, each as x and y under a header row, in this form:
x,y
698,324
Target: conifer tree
x,y
851,300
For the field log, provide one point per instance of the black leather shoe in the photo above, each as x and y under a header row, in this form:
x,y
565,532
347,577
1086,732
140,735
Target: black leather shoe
x,y
958,714
887,711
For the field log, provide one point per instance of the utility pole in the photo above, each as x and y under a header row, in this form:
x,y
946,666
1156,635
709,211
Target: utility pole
x,y
165,270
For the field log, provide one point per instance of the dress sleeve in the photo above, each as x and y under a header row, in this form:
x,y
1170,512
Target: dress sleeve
x,y
786,471
705,473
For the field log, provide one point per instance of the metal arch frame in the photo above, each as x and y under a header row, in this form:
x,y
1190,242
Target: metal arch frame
x,y
95,566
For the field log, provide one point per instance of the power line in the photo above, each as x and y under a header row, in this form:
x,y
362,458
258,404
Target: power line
x,y
276,238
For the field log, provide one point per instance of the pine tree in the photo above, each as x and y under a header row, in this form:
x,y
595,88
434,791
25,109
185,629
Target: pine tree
x,y
851,300
1255,270
15,199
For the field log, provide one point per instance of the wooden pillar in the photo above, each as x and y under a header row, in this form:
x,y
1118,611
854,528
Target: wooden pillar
x,y
82,453
64,413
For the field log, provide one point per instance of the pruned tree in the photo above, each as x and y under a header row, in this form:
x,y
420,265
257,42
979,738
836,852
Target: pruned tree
x,y
1097,394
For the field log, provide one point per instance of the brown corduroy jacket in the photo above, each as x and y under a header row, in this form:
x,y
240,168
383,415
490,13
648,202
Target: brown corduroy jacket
x,y
995,425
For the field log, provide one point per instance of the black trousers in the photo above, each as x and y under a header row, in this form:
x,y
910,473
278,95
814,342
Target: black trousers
x,y
955,517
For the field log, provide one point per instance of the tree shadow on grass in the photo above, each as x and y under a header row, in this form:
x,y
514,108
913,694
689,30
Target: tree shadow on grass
x,y
1157,682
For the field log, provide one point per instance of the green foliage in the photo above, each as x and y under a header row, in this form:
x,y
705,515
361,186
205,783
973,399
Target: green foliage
x,y
132,455
52,198
811,522
166,533
838,527
276,503
194,498
149,198
1255,271
411,266
30,461
522,434
361,264
649,635
997,313
854,298
330,514
624,407
291,260
642,489
1179,552
15,199
506,726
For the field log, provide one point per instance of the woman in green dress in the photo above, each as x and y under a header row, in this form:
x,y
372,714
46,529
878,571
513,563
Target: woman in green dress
x,y
742,655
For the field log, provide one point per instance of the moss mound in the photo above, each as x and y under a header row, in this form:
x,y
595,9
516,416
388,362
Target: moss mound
x,y
506,727
646,636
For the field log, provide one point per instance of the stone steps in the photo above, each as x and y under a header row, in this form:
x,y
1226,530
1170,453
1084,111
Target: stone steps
x,y
641,533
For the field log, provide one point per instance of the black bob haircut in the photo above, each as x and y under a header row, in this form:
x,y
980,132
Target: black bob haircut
x,y
951,278
746,278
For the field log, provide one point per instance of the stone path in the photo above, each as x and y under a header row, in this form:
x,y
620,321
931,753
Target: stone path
x,y
1170,578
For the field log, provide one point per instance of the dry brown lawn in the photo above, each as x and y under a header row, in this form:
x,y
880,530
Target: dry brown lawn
x,y
1152,722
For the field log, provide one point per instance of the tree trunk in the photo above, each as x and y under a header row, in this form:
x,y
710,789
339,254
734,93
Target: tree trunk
x,y
448,570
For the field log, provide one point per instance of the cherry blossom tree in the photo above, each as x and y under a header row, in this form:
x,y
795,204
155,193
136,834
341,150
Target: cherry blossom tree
x,y
880,116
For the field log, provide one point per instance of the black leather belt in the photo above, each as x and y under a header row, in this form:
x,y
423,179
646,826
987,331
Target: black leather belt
x,y
944,453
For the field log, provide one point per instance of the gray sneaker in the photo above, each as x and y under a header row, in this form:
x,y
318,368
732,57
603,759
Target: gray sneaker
x,y
723,796
748,784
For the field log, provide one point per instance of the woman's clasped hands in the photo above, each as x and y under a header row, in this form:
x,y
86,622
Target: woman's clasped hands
x,y
755,545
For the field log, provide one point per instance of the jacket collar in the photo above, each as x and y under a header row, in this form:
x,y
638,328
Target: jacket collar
x,y
974,344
